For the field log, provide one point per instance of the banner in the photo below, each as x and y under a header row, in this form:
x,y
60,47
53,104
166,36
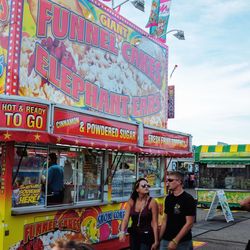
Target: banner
x,y
81,53
171,101
23,115
161,29
165,140
80,124
154,14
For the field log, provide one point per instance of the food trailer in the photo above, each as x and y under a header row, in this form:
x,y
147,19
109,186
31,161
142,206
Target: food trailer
x,y
224,167
78,80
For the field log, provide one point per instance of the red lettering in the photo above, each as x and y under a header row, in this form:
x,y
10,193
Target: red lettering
x,y
38,229
134,59
66,80
124,105
115,104
44,15
112,43
63,23
78,86
92,32
157,73
104,35
126,51
91,92
154,103
41,63
103,100
29,233
77,31
60,22
151,67
143,62
51,226
147,64
143,106
135,106
45,227
146,105
53,71
163,8
60,76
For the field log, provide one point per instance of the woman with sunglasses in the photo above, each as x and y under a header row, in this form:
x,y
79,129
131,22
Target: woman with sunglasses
x,y
143,211
179,214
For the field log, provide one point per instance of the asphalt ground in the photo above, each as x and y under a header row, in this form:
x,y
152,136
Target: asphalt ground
x,y
217,233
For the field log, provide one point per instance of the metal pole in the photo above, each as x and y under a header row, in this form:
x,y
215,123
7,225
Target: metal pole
x,y
115,7
169,32
175,66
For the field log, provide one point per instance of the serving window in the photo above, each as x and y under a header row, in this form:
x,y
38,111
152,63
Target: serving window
x,y
224,176
74,176
150,168
89,175
123,174
27,188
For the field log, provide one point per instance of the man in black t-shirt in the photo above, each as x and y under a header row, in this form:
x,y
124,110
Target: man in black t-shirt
x,y
179,214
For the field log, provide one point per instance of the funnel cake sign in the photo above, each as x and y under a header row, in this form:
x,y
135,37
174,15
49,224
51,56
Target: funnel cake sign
x,y
80,53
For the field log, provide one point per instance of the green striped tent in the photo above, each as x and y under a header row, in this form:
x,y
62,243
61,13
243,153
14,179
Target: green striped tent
x,y
223,154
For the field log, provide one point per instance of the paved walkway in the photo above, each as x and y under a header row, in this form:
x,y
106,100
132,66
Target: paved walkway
x,y
217,233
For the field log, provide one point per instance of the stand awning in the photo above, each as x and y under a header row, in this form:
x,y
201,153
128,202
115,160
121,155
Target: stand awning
x,y
35,137
223,154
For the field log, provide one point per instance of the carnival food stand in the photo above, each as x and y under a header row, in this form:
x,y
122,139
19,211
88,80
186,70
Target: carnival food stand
x,y
224,167
76,82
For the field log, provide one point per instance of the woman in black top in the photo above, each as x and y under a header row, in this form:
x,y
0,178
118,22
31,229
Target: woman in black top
x,y
143,211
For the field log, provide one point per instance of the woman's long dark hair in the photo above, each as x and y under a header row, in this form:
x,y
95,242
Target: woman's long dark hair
x,y
134,194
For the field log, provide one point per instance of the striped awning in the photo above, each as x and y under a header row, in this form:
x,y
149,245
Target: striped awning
x,y
223,154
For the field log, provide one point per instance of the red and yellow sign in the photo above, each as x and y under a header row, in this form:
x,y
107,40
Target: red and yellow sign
x,y
75,123
27,194
165,140
23,115
83,54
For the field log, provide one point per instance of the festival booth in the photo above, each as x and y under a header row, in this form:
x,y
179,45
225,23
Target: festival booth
x,y
84,83
225,167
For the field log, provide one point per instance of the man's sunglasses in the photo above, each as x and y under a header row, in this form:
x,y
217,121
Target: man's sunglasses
x,y
171,180
145,185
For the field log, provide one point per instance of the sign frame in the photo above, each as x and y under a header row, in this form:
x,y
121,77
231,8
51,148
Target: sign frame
x,y
220,199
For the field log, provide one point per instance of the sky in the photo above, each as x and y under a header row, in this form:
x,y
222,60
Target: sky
x,y
212,80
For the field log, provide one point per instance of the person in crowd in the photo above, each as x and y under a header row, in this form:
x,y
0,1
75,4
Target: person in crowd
x,y
186,181
191,180
55,181
246,203
179,216
143,210
63,244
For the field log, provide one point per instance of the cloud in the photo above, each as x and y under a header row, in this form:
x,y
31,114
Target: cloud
x,y
212,80
208,11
